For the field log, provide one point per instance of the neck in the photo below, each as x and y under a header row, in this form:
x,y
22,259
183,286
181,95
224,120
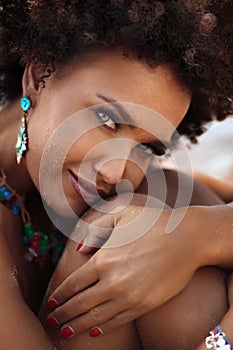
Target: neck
x,y
17,175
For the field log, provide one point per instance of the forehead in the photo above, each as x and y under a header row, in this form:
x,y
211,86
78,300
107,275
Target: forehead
x,y
127,81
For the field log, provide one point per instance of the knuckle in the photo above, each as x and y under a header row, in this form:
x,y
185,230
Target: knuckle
x,y
79,303
101,263
62,315
97,316
119,284
73,283
133,299
117,288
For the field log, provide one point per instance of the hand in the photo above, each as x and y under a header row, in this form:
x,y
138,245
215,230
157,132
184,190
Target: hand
x,y
226,323
118,285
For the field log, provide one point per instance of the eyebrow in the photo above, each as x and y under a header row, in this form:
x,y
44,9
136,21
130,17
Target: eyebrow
x,y
128,120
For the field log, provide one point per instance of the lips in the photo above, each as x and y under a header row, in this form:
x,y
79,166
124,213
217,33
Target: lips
x,y
85,189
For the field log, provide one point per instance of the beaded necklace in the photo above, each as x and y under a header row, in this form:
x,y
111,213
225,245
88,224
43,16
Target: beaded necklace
x,y
41,247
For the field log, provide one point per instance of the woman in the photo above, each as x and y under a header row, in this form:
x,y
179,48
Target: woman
x,y
77,56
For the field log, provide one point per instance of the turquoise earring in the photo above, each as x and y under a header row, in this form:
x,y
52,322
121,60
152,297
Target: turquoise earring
x,y
22,140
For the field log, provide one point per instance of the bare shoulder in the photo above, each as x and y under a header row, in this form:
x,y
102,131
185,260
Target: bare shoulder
x,y
223,188
168,184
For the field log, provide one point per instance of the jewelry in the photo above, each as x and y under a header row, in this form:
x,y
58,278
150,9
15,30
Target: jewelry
x,y
217,340
41,248
22,140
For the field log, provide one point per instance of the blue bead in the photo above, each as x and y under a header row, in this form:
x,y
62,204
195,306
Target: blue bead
x,y
15,208
25,103
25,239
55,261
5,192
2,189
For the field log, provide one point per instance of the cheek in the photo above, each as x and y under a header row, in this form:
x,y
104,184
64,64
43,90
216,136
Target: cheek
x,y
134,174
37,139
84,149
41,127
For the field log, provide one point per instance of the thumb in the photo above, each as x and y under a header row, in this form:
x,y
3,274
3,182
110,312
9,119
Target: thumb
x,y
94,233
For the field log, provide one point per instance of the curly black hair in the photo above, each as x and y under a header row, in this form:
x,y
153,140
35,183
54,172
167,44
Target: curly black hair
x,y
196,36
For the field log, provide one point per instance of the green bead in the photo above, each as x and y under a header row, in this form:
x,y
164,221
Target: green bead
x,y
43,246
29,231
59,248
43,249
1,197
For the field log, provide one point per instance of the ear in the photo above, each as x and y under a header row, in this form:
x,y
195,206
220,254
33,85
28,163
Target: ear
x,y
32,81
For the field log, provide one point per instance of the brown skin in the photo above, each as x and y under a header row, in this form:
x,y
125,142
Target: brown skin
x,y
115,268
77,86
226,322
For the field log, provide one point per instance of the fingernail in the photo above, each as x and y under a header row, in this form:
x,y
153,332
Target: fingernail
x,y
52,322
67,332
80,245
95,332
52,304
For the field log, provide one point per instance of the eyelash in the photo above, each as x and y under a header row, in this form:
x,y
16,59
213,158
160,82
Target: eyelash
x,y
111,123
149,150
114,124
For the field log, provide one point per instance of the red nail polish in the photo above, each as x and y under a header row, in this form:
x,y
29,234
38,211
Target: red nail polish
x,y
52,322
80,245
52,304
95,332
66,332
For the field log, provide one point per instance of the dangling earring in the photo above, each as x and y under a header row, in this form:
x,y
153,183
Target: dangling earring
x,y
22,140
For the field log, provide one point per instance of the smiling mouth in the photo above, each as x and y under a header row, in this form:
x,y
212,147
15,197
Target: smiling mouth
x,y
88,192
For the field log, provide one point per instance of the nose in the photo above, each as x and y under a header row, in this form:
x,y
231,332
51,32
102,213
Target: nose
x,y
111,171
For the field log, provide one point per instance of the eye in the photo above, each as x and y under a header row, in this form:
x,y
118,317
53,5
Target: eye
x,y
150,150
108,121
145,149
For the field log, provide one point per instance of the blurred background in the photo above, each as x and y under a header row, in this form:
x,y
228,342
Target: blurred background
x,y
211,158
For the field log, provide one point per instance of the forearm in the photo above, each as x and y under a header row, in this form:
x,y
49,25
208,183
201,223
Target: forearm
x,y
19,327
222,188
218,229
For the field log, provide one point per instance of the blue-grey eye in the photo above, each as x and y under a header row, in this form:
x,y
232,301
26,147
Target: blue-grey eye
x,y
145,149
107,121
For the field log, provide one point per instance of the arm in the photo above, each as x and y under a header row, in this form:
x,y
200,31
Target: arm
x,y
222,188
222,235
18,325
129,267
197,239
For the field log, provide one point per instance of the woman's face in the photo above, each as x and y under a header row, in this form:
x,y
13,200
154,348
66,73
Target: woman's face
x,y
106,149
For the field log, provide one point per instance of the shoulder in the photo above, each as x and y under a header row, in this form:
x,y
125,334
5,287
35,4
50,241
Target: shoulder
x,y
223,188
170,185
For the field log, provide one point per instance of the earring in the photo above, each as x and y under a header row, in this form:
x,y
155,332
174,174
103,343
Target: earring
x,y
22,140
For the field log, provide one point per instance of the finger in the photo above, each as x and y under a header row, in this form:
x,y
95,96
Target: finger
x,y
99,315
97,233
86,249
94,240
79,304
119,320
76,282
